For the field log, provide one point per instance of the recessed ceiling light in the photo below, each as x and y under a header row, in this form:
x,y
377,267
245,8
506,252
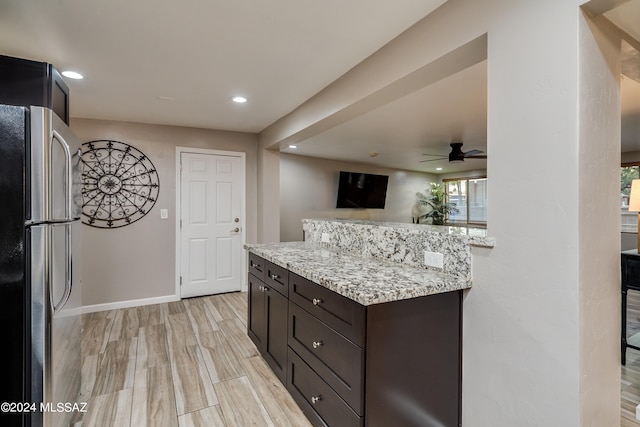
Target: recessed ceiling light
x,y
438,169
293,146
72,75
239,99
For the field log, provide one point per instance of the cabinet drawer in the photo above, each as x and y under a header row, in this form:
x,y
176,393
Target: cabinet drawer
x,y
319,402
257,265
341,313
277,277
336,359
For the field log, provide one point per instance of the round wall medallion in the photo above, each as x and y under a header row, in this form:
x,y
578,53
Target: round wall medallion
x,y
120,185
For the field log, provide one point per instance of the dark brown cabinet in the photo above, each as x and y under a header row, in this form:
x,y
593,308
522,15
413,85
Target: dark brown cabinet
x,y
337,360
24,82
414,362
630,280
340,313
392,364
267,319
320,403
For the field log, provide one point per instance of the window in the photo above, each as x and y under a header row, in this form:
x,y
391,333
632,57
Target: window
x,y
629,220
470,197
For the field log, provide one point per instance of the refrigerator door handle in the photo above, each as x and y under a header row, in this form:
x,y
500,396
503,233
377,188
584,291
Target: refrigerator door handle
x,y
68,166
67,274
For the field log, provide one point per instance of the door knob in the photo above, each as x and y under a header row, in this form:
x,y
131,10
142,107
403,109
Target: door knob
x,y
236,230
236,220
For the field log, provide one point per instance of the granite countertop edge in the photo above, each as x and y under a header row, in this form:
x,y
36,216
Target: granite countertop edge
x,y
467,234
364,280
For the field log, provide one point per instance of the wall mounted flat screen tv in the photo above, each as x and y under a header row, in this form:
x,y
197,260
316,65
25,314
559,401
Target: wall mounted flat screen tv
x,y
362,190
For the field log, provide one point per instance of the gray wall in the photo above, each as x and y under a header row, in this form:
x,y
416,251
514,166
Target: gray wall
x,y
138,261
309,188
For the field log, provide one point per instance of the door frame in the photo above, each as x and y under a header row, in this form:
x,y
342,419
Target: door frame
x,y
178,215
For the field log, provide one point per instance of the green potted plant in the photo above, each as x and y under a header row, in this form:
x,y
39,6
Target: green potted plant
x,y
434,204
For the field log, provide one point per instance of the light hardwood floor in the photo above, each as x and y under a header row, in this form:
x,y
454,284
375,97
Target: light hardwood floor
x,y
187,363
190,363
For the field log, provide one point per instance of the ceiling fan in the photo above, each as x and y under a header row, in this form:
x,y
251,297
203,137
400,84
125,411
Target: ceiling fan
x,y
457,155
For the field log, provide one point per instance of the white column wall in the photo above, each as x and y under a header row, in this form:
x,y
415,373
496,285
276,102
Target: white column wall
x,y
599,201
521,335
268,195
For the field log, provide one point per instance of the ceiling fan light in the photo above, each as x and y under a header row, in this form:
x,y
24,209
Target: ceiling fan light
x,y
456,154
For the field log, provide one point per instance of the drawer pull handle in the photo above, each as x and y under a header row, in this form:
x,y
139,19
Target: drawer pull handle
x,y
263,288
275,276
316,301
315,399
317,344
256,265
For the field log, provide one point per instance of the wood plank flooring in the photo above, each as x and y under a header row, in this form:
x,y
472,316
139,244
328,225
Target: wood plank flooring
x,y
191,364
180,364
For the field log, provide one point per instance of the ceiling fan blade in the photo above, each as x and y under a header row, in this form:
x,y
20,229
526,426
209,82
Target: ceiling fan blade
x,y
434,155
473,153
432,160
475,157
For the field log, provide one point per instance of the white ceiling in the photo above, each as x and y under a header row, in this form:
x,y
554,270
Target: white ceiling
x,y
423,122
200,53
454,109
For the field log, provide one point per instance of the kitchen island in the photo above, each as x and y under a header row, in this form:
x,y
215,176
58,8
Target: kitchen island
x,y
357,328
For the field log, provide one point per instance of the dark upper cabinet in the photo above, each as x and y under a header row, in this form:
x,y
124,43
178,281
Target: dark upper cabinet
x,y
24,82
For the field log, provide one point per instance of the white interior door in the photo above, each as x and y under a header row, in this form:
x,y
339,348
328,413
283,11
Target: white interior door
x,y
212,192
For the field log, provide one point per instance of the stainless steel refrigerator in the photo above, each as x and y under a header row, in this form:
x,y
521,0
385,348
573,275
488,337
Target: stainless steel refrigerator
x,y
40,289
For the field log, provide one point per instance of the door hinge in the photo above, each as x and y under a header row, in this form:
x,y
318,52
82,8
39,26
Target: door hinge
x,y
180,280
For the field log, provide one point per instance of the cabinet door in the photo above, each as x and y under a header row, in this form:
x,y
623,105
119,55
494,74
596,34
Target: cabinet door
x,y
256,325
275,351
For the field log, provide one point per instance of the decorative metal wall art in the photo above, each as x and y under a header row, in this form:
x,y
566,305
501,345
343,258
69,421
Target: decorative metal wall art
x,y
120,185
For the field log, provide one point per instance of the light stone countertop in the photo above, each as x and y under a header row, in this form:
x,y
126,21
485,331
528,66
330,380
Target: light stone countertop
x,y
475,236
365,280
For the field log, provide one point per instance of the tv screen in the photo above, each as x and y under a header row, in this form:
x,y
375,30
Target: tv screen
x,y
362,190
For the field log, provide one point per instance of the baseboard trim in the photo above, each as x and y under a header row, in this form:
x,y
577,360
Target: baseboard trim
x,y
128,304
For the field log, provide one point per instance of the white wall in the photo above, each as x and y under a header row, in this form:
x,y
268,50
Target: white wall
x,y
599,215
309,189
540,337
138,261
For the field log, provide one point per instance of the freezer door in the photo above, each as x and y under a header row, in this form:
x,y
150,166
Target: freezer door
x,y
56,169
38,281
66,325
55,317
